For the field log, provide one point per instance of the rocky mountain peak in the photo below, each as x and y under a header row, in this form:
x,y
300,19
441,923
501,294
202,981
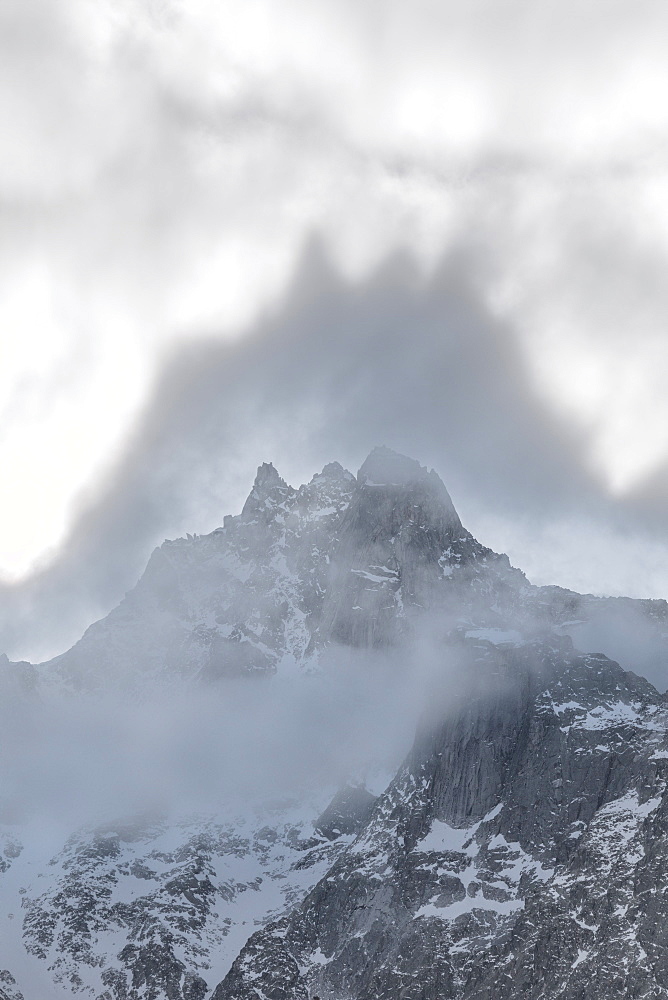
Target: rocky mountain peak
x,y
388,468
269,490
267,477
334,471
398,473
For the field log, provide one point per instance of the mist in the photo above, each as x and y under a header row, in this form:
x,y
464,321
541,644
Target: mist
x,y
135,748
71,760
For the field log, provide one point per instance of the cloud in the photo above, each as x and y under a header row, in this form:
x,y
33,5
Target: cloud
x,y
418,364
168,165
93,759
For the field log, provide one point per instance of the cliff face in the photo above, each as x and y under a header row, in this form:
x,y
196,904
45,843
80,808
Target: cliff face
x,y
519,850
516,853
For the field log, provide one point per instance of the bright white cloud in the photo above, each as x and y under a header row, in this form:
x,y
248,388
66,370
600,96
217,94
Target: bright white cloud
x,y
167,160
63,401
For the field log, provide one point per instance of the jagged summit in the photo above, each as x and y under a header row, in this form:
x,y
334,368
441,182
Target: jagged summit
x,y
344,560
335,472
382,467
269,490
385,467
268,476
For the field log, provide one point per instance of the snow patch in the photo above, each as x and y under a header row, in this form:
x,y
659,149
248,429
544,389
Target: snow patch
x,y
442,837
468,905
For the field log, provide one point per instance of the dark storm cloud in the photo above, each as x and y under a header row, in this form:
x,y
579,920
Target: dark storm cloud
x,y
338,367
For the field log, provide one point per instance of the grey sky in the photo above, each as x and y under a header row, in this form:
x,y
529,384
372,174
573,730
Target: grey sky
x,y
244,232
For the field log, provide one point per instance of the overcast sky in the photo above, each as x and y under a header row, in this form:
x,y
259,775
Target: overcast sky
x,y
243,231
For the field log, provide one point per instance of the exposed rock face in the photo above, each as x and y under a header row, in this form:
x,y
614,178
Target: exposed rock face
x,y
516,853
520,850
8,987
347,813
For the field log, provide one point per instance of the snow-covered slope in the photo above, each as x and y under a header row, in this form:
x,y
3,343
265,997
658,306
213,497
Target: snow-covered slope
x,y
153,908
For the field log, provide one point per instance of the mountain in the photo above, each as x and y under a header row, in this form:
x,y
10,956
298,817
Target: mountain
x,y
342,559
359,561
519,849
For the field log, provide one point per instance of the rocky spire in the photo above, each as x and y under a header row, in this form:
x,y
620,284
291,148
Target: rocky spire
x,y
269,490
386,468
336,472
